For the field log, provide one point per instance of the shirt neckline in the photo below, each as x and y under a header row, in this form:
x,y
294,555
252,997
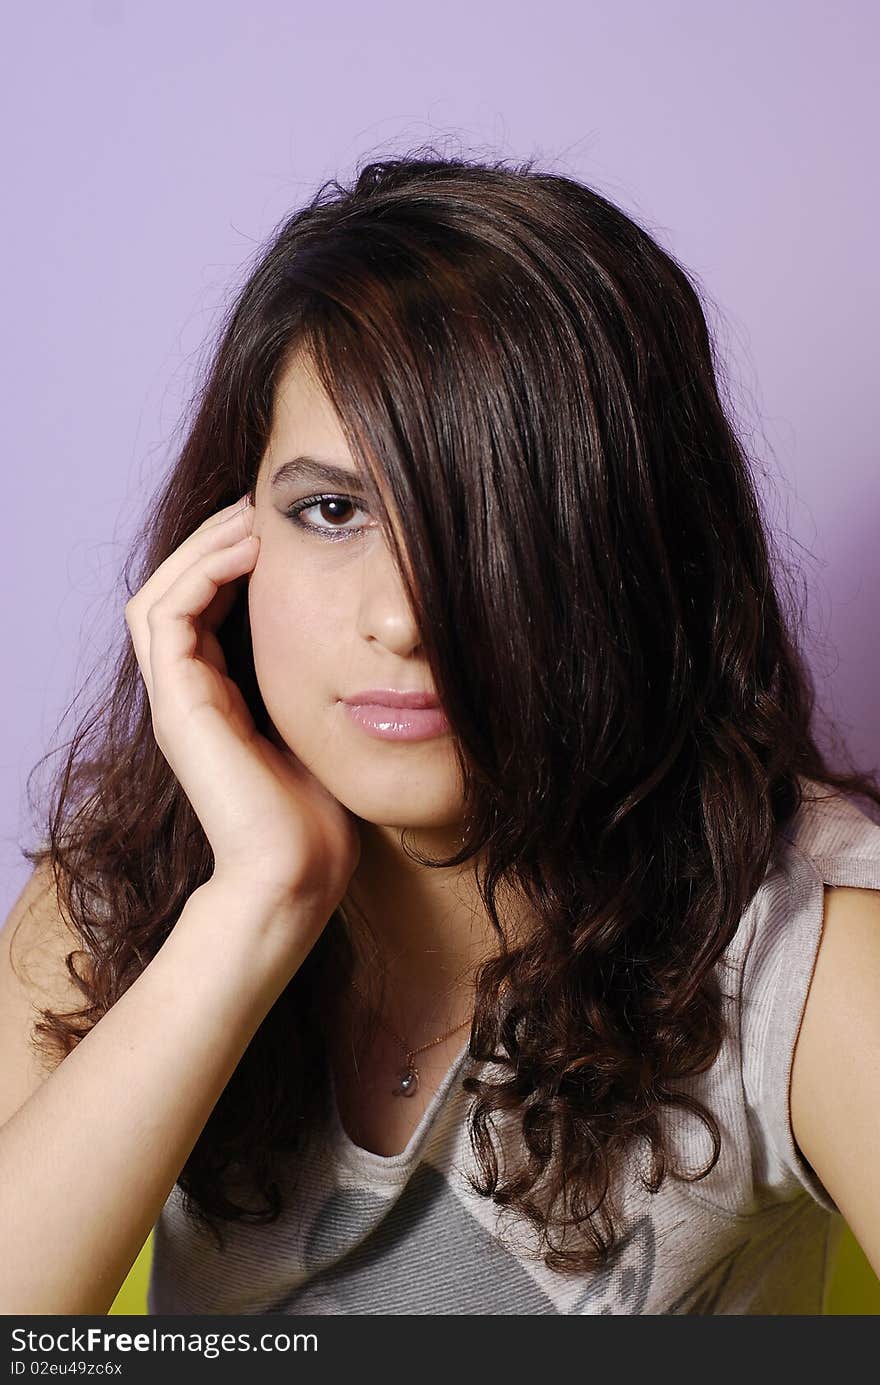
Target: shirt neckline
x,y
389,1165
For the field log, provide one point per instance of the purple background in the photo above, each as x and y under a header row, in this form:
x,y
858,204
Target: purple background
x,y
150,149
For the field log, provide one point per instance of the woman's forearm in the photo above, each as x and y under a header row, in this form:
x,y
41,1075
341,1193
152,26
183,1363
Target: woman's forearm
x,y
89,1160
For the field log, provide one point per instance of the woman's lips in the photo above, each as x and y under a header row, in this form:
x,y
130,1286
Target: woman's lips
x,y
398,723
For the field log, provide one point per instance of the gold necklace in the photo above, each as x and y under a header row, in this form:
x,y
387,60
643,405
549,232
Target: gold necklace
x,y
409,1076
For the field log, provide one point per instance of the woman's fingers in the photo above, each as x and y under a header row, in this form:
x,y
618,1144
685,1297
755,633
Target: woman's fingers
x,y
172,619
166,616
221,529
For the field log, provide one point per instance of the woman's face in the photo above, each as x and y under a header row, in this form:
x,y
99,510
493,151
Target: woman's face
x,y
329,618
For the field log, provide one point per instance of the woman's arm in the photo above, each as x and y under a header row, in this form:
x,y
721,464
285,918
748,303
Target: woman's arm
x,y
89,1159
835,1079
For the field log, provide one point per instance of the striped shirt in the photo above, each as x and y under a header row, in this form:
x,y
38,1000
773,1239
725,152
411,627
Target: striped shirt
x,y
371,1234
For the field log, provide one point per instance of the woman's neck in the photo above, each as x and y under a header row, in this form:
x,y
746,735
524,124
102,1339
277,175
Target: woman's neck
x,y
426,930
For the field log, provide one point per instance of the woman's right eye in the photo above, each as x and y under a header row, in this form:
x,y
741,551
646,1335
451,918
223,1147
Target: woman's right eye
x,y
324,502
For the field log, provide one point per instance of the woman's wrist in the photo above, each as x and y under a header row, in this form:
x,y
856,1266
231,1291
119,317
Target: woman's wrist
x,y
275,923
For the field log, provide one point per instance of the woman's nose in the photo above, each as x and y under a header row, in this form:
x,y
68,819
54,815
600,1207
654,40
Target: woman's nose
x,y
385,612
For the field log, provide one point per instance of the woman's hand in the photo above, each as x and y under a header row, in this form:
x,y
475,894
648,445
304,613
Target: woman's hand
x,y
272,826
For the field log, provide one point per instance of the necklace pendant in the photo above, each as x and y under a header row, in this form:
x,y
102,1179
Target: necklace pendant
x,y
409,1082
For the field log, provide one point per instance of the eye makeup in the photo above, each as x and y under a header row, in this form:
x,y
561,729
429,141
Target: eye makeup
x,y
334,532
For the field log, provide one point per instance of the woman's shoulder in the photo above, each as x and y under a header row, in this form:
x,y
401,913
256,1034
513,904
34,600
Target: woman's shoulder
x,y
836,835
830,841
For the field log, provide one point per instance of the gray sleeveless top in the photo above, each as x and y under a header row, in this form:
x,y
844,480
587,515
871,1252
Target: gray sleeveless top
x,y
406,1234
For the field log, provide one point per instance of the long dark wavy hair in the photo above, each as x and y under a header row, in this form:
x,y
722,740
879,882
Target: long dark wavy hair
x,y
532,378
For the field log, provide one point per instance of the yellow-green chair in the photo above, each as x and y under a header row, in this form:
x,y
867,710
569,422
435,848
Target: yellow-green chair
x,y
854,1286
132,1297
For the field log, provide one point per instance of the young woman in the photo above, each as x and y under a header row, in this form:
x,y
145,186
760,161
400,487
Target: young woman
x,y
447,865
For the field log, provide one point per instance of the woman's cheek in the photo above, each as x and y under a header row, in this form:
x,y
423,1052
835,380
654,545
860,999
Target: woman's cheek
x,y
262,609
288,609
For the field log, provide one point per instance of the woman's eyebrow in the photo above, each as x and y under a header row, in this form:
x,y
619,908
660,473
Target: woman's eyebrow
x,y
310,469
